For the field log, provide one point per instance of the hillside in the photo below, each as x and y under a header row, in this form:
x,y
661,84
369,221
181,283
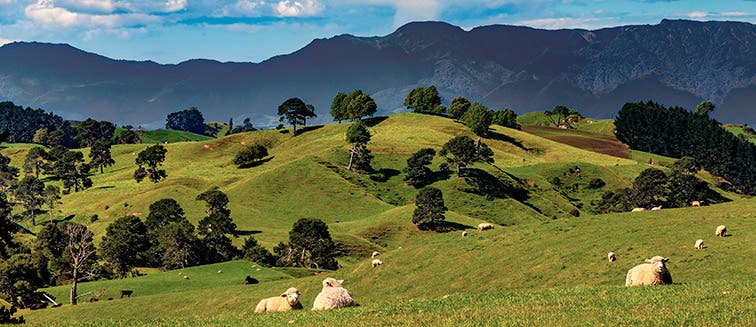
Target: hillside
x,y
675,62
537,250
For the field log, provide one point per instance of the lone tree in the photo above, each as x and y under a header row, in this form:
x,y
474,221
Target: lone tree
x,y
478,118
214,227
561,113
149,161
339,107
250,155
310,246
458,108
359,155
461,151
99,155
51,197
189,120
704,108
417,174
354,106
125,244
295,112
424,100
81,253
429,213
29,192
35,160
91,131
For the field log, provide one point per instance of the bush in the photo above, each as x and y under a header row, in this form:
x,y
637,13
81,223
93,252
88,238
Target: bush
x,y
575,212
596,183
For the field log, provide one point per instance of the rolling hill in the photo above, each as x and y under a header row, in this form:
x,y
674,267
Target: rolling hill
x,y
675,62
540,265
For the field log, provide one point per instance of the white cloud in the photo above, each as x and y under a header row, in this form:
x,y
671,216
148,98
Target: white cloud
x,y
294,8
44,12
4,41
120,33
414,10
248,7
101,6
175,5
698,14
735,14
558,23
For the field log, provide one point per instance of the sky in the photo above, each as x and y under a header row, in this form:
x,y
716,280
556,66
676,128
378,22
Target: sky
x,y
172,31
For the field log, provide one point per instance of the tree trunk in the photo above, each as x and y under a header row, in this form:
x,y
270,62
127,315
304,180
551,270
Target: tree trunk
x,y
73,286
351,156
34,220
459,170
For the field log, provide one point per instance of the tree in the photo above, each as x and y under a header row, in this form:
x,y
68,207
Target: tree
x,y
506,118
7,243
424,100
461,151
178,245
704,108
19,280
99,155
430,208
561,112
189,120
81,252
360,105
310,245
246,126
649,188
359,155
149,161
35,160
125,244
40,136
69,167
50,254
478,118
215,226
255,252
684,188
51,198
8,173
91,131
6,316
129,136
250,155
295,112
458,107
162,213
29,192
416,172
339,107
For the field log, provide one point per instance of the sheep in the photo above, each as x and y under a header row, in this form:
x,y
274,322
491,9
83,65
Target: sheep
x,y
126,293
721,230
375,254
653,272
333,296
377,262
656,208
186,277
638,209
249,280
611,256
484,226
696,203
464,233
699,244
287,301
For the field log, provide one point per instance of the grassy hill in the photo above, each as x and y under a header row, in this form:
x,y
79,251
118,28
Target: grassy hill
x,y
167,135
539,265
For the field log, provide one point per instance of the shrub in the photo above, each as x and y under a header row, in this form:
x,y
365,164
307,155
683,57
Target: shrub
x,y
596,183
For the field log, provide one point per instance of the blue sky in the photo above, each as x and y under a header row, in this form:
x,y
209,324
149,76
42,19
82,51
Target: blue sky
x,y
171,31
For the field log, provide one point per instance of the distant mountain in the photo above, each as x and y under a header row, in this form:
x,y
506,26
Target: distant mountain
x,y
676,62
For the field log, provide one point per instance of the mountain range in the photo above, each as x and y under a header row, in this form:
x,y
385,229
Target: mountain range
x,y
675,62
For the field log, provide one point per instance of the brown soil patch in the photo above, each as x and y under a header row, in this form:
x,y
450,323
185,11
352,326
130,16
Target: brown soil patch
x,y
599,143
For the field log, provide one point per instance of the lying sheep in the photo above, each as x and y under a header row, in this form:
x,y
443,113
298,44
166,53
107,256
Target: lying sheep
x,y
484,226
287,301
611,256
656,208
377,262
721,230
464,233
638,209
699,244
696,203
653,272
333,296
375,254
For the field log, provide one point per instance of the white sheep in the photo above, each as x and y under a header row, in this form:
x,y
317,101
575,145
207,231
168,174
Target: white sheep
x,y
721,230
611,256
333,296
699,244
287,301
484,226
653,272
638,209
464,233
377,262
656,208
375,254
696,203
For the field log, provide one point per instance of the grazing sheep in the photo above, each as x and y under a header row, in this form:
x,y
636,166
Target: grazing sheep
x,y
721,230
656,208
220,271
696,203
484,226
611,257
287,301
249,280
377,262
653,272
186,277
333,296
699,244
126,293
638,209
464,233
375,254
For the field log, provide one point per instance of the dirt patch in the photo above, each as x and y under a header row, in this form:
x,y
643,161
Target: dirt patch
x,y
604,144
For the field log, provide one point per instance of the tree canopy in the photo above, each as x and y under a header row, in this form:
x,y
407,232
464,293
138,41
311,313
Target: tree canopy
x,y
125,244
478,118
90,131
416,172
424,100
461,151
190,120
458,107
310,245
430,210
149,162
250,155
295,112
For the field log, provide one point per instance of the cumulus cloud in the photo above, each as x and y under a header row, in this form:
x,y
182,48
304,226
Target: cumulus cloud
x,y
298,8
561,22
99,6
175,5
698,14
45,12
735,13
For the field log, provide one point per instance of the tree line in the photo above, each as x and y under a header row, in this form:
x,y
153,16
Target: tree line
x,y
677,133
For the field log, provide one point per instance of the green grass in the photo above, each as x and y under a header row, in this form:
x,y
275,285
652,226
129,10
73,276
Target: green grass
x,y
171,136
738,130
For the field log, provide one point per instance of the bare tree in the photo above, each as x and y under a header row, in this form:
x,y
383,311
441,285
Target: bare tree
x,y
82,252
